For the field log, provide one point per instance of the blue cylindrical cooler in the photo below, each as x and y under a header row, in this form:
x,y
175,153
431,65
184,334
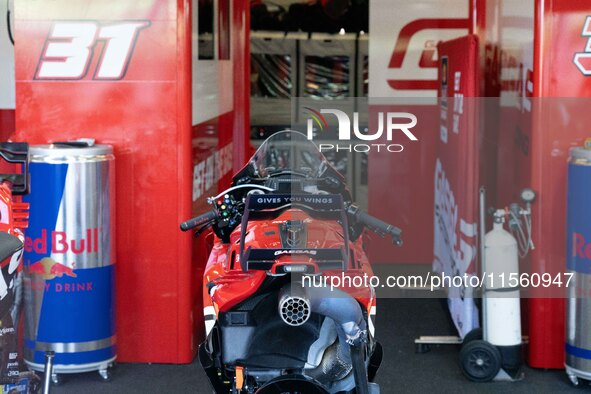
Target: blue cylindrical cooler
x,y
69,258
578,258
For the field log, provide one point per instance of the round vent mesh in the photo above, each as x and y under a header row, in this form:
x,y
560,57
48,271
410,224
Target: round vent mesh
x,y
295,311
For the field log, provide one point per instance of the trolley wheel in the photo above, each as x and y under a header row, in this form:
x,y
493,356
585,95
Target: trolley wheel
x,y
472,336
57,379
106,374
574,380
480,361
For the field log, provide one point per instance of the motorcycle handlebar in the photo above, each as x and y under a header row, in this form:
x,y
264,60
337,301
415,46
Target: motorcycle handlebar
x,y
376,225
199,220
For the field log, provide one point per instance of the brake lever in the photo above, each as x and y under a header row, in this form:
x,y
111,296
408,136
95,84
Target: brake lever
x,y
201,229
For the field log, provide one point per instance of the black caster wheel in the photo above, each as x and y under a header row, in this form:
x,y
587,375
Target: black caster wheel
x,y
106,374
57,380
480,361
472,336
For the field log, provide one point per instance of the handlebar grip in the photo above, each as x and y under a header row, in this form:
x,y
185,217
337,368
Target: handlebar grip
x,y
377,225
199,220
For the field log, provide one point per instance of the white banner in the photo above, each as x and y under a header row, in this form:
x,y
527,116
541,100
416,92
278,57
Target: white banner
x,y
455,251
403,41
213,90
7,85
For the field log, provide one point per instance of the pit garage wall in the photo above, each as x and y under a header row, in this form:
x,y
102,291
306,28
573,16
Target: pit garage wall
x,y
146,114
7,86
527,52
403,65
562,30
220,119
530,48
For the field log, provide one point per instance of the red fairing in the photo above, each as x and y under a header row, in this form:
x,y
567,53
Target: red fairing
x,y
231,285
14,214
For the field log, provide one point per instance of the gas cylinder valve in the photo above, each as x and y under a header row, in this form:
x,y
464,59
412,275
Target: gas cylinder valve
x,y
519,222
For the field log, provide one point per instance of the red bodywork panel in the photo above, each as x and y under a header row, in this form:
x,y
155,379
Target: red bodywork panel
x,y
14,214
232,285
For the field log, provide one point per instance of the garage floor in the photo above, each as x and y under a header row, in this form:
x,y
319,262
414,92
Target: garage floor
x,y
399,322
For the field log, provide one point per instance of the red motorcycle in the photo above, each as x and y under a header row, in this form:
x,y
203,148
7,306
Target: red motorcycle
x,y
14,216
275,319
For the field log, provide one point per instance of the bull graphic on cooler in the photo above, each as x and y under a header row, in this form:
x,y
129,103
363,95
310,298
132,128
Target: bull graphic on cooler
x,y
49,269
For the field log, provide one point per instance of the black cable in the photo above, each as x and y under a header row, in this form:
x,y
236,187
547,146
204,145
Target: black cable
x,y
8,21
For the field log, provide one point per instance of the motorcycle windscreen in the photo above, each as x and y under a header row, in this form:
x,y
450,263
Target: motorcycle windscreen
x,y
288,151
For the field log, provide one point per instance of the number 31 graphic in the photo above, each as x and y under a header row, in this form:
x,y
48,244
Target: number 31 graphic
x,y
70,47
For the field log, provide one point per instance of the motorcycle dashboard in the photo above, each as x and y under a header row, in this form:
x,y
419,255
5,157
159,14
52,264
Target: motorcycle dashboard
x,y
328,207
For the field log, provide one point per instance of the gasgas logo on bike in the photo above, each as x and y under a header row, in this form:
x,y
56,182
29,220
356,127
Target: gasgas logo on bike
x,y
58,242
389,123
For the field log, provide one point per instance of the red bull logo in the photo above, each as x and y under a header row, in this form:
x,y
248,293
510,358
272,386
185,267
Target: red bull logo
x,y
581,248
49,269
59,242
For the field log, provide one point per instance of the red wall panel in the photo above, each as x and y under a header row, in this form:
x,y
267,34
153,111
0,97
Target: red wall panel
x,y
6,123
560,121
403,65
146,116
141,117
530,47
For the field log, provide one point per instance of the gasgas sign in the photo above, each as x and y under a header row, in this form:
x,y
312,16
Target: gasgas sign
x,y
403,50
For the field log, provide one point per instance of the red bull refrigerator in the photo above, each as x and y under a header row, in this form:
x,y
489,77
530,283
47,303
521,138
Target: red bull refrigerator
x,y
69,259
578,252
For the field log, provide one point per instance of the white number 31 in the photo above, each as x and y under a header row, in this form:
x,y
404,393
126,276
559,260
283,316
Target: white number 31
x,y
70,47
